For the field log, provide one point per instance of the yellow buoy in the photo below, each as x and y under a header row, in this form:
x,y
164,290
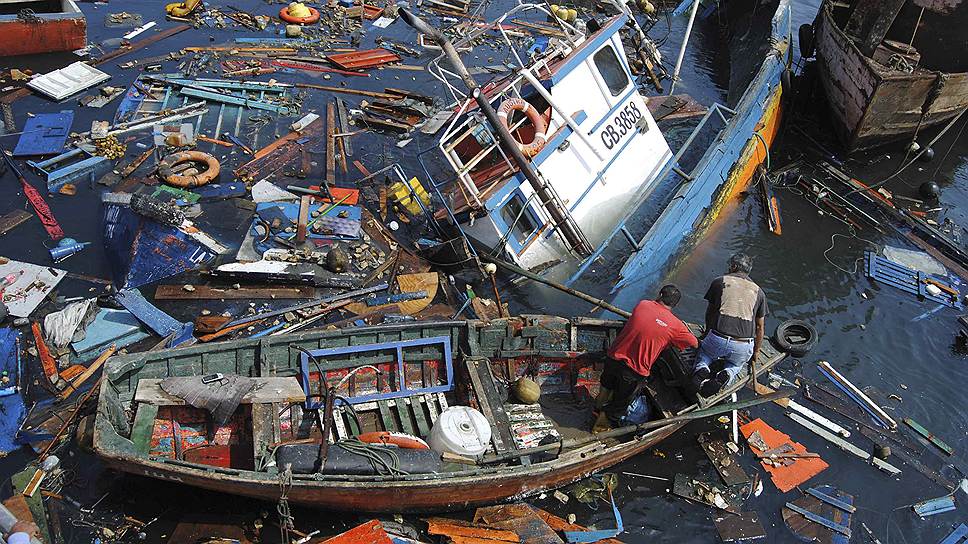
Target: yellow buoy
x,y
572,15
526,390
297,9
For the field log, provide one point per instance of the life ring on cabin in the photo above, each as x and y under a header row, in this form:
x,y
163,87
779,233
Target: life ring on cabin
x,y
167,165
400,440
540,138
181,9
309,15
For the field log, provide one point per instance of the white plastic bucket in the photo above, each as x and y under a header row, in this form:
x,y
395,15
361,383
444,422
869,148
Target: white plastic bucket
x,y
461,430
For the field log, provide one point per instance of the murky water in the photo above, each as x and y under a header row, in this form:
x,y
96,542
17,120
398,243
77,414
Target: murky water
x,y
875,336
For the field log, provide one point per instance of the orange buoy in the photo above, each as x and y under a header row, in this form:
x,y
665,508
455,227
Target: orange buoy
x,y
167,165
287,15
531,148
401,440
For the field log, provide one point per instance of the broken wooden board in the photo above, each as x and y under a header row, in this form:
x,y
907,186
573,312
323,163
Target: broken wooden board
x,y
688,487
519,518
371,532
408,283
461,531
811,531
358,60
246,292
745,526
784,477
196,528
723,460
267,390
12,220
559,524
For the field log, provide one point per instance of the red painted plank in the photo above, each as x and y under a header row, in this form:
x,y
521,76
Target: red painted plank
x,y
370,532
22,38
363,59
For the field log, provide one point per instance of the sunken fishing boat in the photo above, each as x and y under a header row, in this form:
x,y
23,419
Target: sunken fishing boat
x,y
316,417
890,69
551,164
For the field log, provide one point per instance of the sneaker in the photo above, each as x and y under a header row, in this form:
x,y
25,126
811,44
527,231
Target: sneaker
x,y
723,378
709,387
701,374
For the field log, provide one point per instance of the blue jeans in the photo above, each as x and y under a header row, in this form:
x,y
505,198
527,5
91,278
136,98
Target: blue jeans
x,y
736,353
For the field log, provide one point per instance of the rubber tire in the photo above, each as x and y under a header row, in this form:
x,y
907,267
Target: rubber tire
x,y
801,348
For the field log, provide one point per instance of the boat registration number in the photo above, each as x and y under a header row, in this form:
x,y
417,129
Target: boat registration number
x,y
621,125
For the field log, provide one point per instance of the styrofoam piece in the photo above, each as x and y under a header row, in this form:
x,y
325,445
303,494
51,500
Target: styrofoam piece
x,y
68,81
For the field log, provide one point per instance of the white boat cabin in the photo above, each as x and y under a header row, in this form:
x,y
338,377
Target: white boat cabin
x,y
602,157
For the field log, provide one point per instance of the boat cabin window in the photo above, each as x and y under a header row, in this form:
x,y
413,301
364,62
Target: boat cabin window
x,y
611,70
523,222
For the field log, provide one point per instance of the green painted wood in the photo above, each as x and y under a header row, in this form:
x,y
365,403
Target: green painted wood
x,y
144,423
416,406
350,423
405,424
386,416
18,482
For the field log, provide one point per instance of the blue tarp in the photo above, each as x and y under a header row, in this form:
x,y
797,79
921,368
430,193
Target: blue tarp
x,y
11,401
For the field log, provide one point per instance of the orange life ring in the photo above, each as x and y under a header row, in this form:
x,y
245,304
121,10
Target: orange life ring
x,y
540,138
166,166
312,18
401,440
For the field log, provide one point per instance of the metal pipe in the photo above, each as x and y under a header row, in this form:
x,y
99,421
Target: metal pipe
x,y
526,73
552,203
682,50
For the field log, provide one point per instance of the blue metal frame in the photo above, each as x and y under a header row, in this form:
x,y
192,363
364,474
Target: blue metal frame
x,y
402,390
503,226
588,48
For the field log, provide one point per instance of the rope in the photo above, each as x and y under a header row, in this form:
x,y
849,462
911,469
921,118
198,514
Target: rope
x,y
285,516
373,453
913,159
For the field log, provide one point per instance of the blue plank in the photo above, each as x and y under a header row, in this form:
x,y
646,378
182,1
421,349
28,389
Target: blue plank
x,y
118,327
906,279
158,321
955,537
44,134
11,401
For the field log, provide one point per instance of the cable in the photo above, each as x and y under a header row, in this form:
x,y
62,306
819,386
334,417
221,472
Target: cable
x,y
373,453
913,159
833,242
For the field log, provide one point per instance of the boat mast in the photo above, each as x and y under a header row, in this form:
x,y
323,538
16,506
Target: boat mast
x,y
685,42
552,203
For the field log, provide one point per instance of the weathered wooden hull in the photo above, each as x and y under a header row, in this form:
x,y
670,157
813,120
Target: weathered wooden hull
x,y
431,495
270,356
873,105
50,33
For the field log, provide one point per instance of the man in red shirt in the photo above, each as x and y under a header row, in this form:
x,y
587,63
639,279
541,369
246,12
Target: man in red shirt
x,y
651,329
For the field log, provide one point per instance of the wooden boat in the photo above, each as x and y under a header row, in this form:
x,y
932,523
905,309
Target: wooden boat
x,y
41,26
881,85
442,364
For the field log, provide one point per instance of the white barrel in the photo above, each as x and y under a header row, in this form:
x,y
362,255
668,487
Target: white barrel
x,y
461,430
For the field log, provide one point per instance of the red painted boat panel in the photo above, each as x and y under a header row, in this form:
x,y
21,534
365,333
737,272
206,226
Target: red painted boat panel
x,y
19,37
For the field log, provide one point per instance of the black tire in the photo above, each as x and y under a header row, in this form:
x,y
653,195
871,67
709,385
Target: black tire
x,y
795,337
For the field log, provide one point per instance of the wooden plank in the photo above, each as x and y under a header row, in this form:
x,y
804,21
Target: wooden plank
x,y
208,292
144,423
353,428
12,220
264,430
386,416
330,142
418,414
429,400
405,423
303,220
285,390
339,428
488,402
